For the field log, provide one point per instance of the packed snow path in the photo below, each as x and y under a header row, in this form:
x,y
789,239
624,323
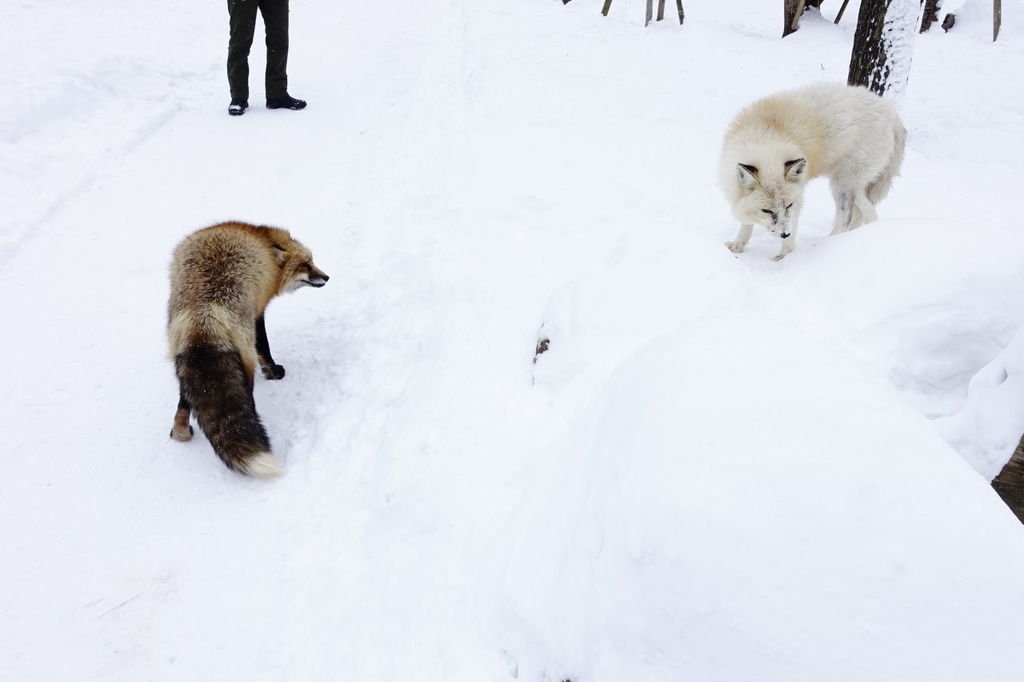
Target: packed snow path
x,y
722,469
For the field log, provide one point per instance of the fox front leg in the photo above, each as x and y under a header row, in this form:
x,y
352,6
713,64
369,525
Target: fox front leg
x,y
788,244
270,369
788,238
742,237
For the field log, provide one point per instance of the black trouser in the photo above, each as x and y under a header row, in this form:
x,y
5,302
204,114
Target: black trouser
x,y
243,27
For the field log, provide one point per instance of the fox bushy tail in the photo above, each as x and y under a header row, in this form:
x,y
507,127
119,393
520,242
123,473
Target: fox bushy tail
x,y
213,380
878,189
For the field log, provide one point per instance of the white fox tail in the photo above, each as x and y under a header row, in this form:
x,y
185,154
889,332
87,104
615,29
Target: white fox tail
x,y
879,188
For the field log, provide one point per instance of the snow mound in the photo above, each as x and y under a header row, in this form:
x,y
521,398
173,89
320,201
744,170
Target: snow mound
x,y
694,516
926,301
986,431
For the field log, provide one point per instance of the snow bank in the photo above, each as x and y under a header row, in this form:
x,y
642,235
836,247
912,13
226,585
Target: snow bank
x,y
989,427
926,302
798,522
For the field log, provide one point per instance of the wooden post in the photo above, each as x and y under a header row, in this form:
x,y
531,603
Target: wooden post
x,y
1009,484
997,18
791,16
841,10
930,15
650,10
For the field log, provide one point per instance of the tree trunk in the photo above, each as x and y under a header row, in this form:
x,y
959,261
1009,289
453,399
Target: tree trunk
x,y
997,18
791,12
931,14
607,6
883,45
1009,484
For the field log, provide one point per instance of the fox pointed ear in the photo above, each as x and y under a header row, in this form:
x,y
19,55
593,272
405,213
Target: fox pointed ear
x,y
747,175
795,169
280,254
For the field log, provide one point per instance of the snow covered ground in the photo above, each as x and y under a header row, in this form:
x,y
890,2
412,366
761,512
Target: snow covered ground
x,y
722,469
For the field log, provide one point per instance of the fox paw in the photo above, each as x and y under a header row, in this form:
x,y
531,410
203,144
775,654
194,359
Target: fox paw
x,y
273,372
182,434
736,247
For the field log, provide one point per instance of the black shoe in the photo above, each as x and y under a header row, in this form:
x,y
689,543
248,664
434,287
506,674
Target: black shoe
x,y
286,102
238,107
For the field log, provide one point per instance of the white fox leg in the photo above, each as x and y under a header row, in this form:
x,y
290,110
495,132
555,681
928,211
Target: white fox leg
x,y
865,209
788,244
742,237
844,210
789,241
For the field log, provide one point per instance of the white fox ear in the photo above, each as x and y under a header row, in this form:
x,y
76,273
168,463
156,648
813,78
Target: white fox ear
x,y
747,175
795,169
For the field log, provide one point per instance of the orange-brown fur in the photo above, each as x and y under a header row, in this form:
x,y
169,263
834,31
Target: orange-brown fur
x,y
222,278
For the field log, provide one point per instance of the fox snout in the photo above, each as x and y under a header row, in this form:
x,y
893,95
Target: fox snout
x,y
317,278
307,275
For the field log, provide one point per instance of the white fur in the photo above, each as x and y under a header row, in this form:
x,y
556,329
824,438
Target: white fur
x,y
263,465
846,133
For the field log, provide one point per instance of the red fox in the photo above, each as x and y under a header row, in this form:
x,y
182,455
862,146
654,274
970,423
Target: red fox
x,y
222,278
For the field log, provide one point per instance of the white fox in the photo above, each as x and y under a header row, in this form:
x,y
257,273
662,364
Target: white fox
x,y
775,145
